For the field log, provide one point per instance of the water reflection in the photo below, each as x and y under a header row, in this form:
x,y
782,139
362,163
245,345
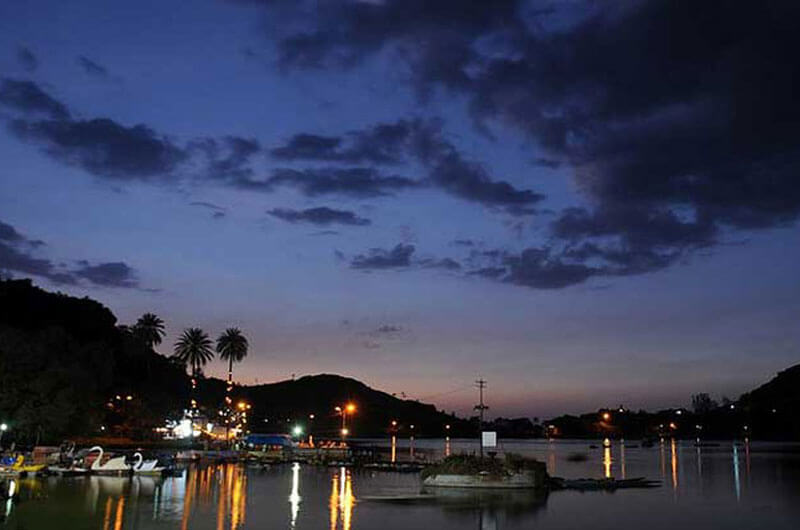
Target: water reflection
x,y
674,464
394,449
491,509
294,496
341,500
607,462
737,484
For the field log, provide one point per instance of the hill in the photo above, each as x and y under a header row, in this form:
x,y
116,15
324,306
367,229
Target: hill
x,y
67,369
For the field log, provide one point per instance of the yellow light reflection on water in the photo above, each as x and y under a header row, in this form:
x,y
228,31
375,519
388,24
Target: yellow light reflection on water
x,y
342,500
674,462
107,514
447,446
607,462
394,449
120,511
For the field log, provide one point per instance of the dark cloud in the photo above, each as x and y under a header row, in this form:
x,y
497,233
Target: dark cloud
x,y
707,123
630,239
112,274
27,59
353,181
217,212
91,67
489,272
444,263
418,141
387,329
27,97
228,158
378,258
9,233
383,143
401,256
536,267
103,147
16,256
319,216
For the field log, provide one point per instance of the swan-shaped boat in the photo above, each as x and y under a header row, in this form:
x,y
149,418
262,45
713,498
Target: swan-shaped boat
x,y
114,466
146,467
21,468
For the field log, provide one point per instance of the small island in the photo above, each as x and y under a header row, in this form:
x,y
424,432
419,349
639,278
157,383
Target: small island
x,y
470,471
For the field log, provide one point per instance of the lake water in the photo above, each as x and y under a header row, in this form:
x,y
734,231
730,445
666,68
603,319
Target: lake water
x,y
744,486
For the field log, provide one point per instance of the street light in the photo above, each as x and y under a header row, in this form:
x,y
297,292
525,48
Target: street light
x,y
3,429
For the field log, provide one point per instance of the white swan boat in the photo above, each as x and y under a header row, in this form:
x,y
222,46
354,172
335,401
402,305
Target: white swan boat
x,y
146,467
114,466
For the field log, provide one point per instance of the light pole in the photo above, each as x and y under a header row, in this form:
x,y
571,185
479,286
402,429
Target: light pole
x,y
349,408
3,429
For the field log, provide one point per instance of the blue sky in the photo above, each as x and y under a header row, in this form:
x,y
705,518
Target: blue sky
x,y
685,280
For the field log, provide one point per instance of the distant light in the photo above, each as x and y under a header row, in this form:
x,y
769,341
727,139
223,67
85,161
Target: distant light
x,y
673,426
394,423
732,406
345,432
606,416
209,427
679,412
3,427
297,431
183,429
412,426
310,416
102,427
338,409
351,408
447,427
129,397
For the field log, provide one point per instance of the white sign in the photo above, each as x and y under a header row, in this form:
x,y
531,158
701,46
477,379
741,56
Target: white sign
x,y
489,439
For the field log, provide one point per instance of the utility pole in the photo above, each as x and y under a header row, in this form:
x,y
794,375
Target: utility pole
x,y
480,407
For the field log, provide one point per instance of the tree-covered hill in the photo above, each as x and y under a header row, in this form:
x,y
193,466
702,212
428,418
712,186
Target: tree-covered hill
x,y
67,368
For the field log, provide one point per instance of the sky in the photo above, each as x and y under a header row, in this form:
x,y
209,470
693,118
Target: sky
x,y
586,204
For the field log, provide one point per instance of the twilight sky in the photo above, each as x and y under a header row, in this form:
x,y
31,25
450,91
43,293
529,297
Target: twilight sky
x,y
585,203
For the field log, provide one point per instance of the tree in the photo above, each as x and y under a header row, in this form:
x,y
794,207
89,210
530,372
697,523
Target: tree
x,y
232,347
702,403
149,329
194,349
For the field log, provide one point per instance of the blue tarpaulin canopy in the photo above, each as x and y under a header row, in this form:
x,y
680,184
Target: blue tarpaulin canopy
x,y
283,440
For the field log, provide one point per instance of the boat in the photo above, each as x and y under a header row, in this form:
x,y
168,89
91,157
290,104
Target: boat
x,y
146,467
20,468
114,466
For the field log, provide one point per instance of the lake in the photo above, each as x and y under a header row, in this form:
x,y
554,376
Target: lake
x,y
733,486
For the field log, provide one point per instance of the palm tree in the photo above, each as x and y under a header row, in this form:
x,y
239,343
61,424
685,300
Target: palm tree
x,y
232,347
194,349
149,329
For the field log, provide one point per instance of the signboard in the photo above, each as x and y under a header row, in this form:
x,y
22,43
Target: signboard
x,y
489,439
